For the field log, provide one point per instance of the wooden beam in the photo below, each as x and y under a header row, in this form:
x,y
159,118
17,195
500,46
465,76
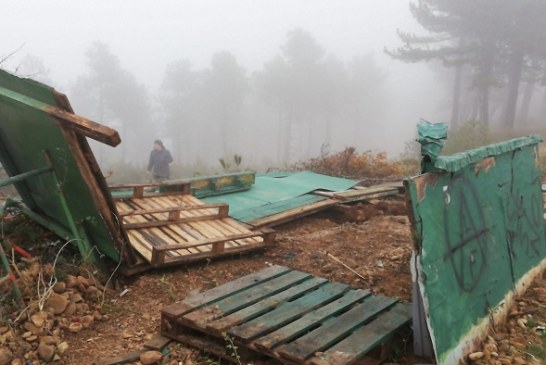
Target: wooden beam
x,y
84,126
159,252
67,119
174,209
151,224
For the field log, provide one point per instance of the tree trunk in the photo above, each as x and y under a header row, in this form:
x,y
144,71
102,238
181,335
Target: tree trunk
x,y
456,107
526,102
514,78
488,57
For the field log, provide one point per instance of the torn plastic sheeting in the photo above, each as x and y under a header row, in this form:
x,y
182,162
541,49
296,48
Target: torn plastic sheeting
x,y
431,138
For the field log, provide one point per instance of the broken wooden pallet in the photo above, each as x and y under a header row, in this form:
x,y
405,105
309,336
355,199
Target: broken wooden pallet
x,y
171,226
289,315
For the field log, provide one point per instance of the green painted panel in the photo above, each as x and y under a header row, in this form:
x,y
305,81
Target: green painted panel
x,y
479,228
271,194
26,135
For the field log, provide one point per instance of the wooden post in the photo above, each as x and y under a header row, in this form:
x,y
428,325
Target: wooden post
x,y
138,191
174,215
223,211
158,257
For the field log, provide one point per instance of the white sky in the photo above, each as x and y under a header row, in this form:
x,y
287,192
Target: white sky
x,y
147,35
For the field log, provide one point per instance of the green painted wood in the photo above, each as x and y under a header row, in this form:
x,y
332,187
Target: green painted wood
x,y
244,298
367,337
478,230
335,329
222,291
288,312
26,133
220,325
461,160
308,321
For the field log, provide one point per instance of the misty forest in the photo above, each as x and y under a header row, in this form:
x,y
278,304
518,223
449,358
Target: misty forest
x,y
487,59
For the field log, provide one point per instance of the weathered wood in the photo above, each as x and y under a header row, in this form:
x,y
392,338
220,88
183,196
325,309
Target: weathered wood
x,y
248,313
167,222
276,219
287,312
157,342
185,208
121,359
366,338
243,299
335,330
307,322
203,242
361,195
222,291
84,126
292,324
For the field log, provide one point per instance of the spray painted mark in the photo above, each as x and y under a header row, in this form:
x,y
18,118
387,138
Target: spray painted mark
x,y
466,233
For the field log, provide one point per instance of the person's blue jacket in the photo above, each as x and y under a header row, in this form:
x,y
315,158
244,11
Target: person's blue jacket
x,y
159,163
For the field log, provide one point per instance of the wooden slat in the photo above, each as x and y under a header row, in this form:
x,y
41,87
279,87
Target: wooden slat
x,y
366,338
292,214
335,330
288,319
83,125
243,299
154,203
287,312
159,251
172,209
210,296
162,223
221,325
307,322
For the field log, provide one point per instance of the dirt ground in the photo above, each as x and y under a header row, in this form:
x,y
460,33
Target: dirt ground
x,y
379,249
373,239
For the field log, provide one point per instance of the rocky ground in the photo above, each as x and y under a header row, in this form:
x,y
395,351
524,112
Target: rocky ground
x,y
76,321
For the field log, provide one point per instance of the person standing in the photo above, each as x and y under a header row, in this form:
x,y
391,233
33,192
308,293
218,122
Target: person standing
x,y
158,165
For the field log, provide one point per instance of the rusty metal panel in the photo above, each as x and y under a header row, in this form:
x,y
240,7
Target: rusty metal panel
x,y
479,237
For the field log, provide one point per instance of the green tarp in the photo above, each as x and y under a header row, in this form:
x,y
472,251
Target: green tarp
x,y
271,194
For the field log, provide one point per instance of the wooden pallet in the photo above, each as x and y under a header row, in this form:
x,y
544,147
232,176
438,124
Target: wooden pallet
x,y
288,315
170,226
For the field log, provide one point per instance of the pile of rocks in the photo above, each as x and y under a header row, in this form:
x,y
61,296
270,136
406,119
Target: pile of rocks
x,y
37,336
522,340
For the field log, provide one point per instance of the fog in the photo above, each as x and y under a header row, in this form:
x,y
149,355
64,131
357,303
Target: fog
x,y
205,75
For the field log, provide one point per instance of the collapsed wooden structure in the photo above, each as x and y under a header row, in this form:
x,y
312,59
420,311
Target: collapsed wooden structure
x,y
171,226
287,315
45,152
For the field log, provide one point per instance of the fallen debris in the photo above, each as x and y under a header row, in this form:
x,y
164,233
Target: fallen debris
x,y
288,315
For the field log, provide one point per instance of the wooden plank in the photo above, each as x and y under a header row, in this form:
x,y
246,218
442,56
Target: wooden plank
x,y
161,223
243,299
292,214
161,249
334,330
307,322
181,236
175,209
129,357
221,325
366,338
157,342
208,297
138,244
358,193
288,312
148,185
83,125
